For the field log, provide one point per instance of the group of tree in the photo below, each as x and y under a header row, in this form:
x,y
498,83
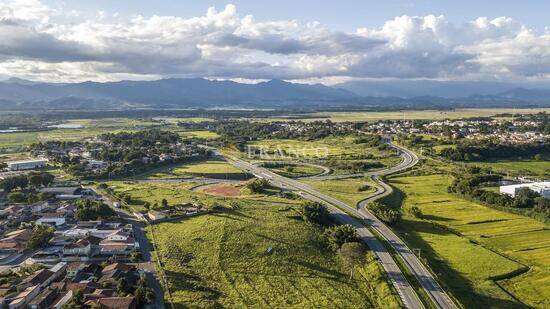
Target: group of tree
x,y
257,185
334,236
472,181
35,179
353,166
385,213
29,197
40,236
90,210
488,150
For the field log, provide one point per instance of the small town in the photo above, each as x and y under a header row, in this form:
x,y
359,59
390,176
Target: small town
x,y
68,246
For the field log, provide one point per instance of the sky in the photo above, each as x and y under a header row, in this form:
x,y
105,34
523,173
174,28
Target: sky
x,y
304,41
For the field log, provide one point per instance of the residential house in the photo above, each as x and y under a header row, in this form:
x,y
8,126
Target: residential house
x,y
52,218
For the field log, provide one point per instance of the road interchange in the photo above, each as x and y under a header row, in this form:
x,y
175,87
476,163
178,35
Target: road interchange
x,y
362,219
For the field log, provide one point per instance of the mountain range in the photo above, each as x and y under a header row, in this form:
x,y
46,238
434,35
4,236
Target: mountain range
x,y
21,94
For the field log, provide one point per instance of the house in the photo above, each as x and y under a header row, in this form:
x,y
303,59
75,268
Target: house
x,y
117,266
11,211
114,302
16,241
26,165
156,215
44,299
24,297
41,278
81,247
52,218
119,235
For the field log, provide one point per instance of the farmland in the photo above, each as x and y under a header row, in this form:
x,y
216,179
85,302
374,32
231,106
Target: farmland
x,y
221,260
468,244
409,114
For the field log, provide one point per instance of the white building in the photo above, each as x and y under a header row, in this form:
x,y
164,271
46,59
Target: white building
x,y
55,219
542,188
26,165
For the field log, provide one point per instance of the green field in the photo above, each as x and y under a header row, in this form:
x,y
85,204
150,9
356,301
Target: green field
x,y
209,169
408,114
467,244
295,171
200,134
520,167
220,260
349,191
340,148
153,193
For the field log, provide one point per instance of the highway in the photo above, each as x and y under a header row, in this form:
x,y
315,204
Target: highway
x,y
345,214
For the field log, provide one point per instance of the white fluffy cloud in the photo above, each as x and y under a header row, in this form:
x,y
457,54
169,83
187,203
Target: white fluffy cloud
x,y
223,44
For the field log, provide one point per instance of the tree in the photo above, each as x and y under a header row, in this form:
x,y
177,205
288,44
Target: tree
x,y
415,211
14,182
35,180
353,254
525,198
338,235
164,203
315,212
76,302
17,197
122,287
40,236
257,185
88,210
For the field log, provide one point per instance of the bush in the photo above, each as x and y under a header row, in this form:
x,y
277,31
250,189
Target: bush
x,y
338,235
415,211
384,213
316,213
257,185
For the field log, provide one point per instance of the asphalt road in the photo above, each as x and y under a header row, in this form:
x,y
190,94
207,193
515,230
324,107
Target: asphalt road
x,y
403,287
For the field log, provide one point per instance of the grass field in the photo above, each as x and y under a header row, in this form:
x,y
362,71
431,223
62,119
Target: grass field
x,y
220,260
467,244
153,193
295,171
398,115
520,167
349,191
211,169
341,148
200,134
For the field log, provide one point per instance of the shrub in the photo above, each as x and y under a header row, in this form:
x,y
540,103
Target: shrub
x,y
316,213
338,235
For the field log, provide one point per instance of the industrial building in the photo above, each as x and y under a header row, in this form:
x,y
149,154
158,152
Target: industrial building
x,y
542,188
26,165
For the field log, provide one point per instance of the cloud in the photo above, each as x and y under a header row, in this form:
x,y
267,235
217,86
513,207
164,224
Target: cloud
x,y
222,44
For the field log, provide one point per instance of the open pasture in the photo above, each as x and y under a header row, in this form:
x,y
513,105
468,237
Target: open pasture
x,y
222,259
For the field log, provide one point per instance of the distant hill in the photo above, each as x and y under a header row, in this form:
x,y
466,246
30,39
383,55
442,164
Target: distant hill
x,y
18,94
196,92
443,89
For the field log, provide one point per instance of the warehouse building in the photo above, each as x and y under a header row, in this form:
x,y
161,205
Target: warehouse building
x,y
26,165
542,188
